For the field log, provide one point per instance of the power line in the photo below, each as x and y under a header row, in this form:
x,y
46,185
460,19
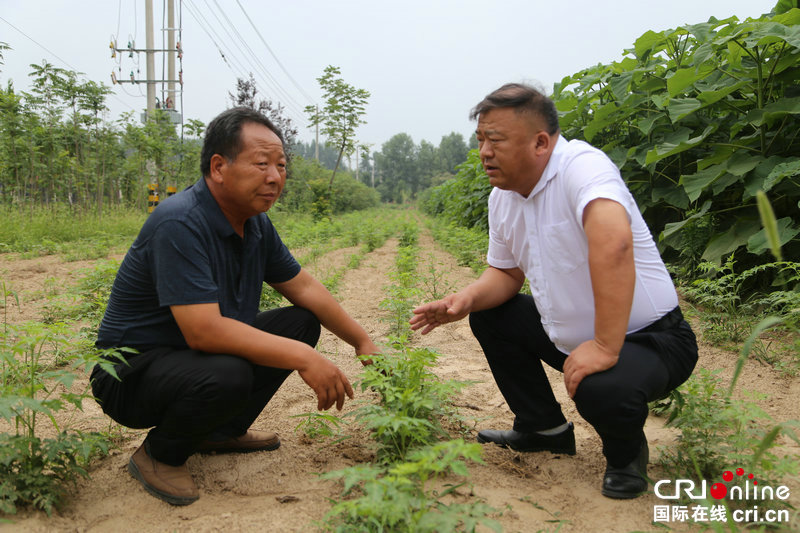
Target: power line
x,y
289,99
56,56
274,56
297,85
284,95
231,60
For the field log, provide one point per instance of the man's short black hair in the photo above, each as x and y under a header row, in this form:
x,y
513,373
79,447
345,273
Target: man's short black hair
x,y
223,134
522,98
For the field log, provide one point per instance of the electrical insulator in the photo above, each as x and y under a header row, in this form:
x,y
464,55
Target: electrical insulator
x,y
132,78
180,78
113,78
113,54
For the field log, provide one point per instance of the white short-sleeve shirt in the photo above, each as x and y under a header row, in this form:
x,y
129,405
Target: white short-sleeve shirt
x,y
543,235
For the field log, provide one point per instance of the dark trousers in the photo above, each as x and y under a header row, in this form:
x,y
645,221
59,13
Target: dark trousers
x,y
652,362
188,396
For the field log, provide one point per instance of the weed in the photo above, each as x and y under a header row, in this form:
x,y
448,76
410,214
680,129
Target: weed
x,y
436,286
316,425
555,516
718,431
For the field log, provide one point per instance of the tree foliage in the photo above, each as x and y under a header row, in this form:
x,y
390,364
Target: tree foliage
x,y
699,119
57,147
341,115
246,91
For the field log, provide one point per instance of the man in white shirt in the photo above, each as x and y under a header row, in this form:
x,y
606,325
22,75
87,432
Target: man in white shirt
x,y
602,309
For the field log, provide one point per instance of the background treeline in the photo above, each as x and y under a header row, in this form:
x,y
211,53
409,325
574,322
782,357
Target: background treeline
x,y
698,119
57,148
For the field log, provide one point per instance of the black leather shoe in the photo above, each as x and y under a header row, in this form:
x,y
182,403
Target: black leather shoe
x,y
629,481
563,442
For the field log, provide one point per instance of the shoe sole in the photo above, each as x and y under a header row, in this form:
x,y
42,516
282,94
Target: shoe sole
x,y
161,495
265,448
562,451
616,495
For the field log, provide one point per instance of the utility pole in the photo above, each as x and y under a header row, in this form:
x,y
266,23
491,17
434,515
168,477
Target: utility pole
x,y
358,161
151,59
170,100
316,145
172,49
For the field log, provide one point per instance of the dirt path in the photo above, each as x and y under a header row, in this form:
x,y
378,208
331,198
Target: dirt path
x,y
279,490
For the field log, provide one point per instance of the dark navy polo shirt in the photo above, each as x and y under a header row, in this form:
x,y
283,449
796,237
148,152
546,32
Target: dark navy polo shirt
x,y
188,253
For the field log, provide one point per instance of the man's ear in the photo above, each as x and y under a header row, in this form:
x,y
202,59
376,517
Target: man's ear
x,y
542,142
218,163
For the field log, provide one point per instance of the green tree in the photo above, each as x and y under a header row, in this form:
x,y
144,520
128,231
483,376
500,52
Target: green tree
x,y
452,152
341,115
246,91
397,163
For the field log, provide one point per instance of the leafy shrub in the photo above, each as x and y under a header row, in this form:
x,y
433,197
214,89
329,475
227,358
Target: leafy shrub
x,y
307,190
464,199
399,497
412,401
698,119
718,431
33,468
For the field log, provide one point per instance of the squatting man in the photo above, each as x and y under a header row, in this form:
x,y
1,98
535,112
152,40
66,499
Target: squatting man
x,y
603,309
186,300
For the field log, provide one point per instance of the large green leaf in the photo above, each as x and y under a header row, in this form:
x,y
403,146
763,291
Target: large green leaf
x,y
672,195
678,142
694,184
672,227
646,124
686,77
729,241
679,108
771,170
742,162
786,232
649,41
708,97
779,109
781,171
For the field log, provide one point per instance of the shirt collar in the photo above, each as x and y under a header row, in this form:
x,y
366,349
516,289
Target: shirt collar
x,y
216,217
553,164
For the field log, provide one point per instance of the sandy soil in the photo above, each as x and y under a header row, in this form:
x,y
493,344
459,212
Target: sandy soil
x,y
280,490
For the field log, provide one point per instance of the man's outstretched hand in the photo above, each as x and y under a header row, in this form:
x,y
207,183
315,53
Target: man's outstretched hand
x,y
431,315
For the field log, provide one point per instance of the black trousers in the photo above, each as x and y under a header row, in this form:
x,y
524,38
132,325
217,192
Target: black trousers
x,y
652,362
188,396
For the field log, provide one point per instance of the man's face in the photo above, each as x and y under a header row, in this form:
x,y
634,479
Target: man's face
x,y
507,142
254,180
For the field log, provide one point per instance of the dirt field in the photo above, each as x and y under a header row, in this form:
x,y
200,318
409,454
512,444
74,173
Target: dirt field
x,y
280,491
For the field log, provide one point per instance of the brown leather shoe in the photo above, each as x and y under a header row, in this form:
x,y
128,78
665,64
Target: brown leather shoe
x,y
173,484
252,441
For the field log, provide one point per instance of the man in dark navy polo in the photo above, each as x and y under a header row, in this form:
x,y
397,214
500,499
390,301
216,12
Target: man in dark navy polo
x,y
186,299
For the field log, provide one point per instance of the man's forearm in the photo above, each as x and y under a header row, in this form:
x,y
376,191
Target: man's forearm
x,y
494,287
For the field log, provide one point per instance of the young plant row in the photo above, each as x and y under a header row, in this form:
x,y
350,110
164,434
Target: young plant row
x,y
407,487
39,453
316,238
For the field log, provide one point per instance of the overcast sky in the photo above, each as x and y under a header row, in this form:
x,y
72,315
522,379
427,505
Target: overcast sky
x,y
425,62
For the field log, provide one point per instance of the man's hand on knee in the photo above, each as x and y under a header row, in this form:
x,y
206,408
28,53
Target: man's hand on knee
x,y
588,358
